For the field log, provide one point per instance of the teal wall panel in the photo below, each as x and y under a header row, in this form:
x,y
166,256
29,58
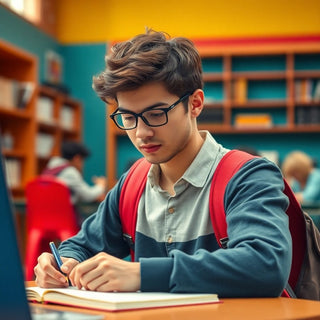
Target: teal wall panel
x,y
82,63
126,154
261,63
212,65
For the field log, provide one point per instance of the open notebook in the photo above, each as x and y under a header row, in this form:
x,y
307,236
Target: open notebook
x,y
13,300
115,301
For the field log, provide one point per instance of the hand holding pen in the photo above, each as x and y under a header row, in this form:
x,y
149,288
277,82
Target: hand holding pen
x,y
57,257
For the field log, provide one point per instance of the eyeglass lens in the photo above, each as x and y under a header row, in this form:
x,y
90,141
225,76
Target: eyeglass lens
x,y
152,117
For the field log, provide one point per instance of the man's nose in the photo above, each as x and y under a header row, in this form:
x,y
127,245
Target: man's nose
x,y
142,129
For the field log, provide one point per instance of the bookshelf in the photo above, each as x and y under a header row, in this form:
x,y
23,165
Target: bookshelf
x,y
279,81
58,118
17,124
20,124
259,80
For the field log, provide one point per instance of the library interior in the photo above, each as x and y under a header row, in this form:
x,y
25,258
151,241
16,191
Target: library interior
x,y
261,74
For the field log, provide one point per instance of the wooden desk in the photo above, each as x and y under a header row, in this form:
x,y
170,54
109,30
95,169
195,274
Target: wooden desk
x,y
228,309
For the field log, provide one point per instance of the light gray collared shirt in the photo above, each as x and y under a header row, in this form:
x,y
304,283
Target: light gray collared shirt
x,y
167,218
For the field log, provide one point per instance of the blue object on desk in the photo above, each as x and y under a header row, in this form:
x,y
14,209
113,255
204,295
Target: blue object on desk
x,y
13,301
59,262
55,253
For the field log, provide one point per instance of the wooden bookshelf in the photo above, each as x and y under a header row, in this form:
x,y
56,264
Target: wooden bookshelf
x,y
273,72
58,118
19,123
269,72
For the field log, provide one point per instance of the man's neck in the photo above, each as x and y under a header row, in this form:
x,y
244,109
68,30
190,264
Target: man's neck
x,y
173,170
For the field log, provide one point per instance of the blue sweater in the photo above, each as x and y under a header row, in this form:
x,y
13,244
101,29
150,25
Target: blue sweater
x,y
258,258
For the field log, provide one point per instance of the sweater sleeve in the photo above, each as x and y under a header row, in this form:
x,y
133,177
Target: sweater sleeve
x,y
101,232
258,258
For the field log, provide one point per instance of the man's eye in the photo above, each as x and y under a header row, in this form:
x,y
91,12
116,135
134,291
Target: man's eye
x,y
155,113
128,117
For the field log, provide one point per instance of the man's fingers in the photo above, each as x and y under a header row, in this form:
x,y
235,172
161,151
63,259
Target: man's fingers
x,y
68,265
48,274
48,280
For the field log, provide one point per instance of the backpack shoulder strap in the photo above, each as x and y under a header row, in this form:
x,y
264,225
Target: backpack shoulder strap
x,y
297,226
230,163
56,170
226,168
130,195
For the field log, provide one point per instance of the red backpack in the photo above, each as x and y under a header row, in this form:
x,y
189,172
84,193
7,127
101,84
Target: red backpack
x,y
304,276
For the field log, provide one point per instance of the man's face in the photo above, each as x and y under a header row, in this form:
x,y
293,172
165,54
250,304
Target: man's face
x,y
157,144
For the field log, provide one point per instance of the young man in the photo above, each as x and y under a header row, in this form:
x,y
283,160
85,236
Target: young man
x,y
157,86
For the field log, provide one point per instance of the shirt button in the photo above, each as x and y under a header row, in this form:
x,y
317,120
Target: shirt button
x,y
170,239
171,210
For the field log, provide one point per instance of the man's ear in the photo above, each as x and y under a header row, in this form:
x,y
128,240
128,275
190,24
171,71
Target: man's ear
x,y
196,102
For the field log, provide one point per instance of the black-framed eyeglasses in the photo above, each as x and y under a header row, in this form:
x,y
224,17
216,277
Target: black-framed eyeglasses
x,y
156,117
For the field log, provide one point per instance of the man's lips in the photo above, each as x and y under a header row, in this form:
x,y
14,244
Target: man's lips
x,y
149,148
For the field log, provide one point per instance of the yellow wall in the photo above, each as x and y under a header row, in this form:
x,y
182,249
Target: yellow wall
x,y
83,21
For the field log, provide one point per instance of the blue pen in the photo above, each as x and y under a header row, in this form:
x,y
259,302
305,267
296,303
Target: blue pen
x,y
56,255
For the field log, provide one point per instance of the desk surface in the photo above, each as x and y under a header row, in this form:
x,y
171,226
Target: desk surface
x,y
228,309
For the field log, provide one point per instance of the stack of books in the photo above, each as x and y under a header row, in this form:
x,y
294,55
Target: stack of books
x,y
253,120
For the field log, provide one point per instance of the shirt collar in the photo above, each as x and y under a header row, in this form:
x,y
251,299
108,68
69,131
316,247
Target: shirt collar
x,y
200,168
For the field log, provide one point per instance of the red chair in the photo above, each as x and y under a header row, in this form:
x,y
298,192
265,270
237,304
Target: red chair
x,y
50,217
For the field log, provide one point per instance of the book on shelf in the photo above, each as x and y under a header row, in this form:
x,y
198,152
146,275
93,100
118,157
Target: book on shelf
x,y
15,94
240,90
7,140
303,90
314,114
24,93
44,109
302,115
6,95
253,120
67,117
13,172
44,144
115,301
211,115
308,115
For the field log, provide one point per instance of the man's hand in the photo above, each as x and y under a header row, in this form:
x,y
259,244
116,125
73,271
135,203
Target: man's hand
x,y
106,273
48,274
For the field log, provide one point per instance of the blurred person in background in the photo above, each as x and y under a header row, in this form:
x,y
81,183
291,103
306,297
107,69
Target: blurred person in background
x,y
300,171
68,168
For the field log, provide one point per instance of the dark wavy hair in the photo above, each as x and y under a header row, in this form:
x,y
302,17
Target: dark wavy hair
x,y
150,57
